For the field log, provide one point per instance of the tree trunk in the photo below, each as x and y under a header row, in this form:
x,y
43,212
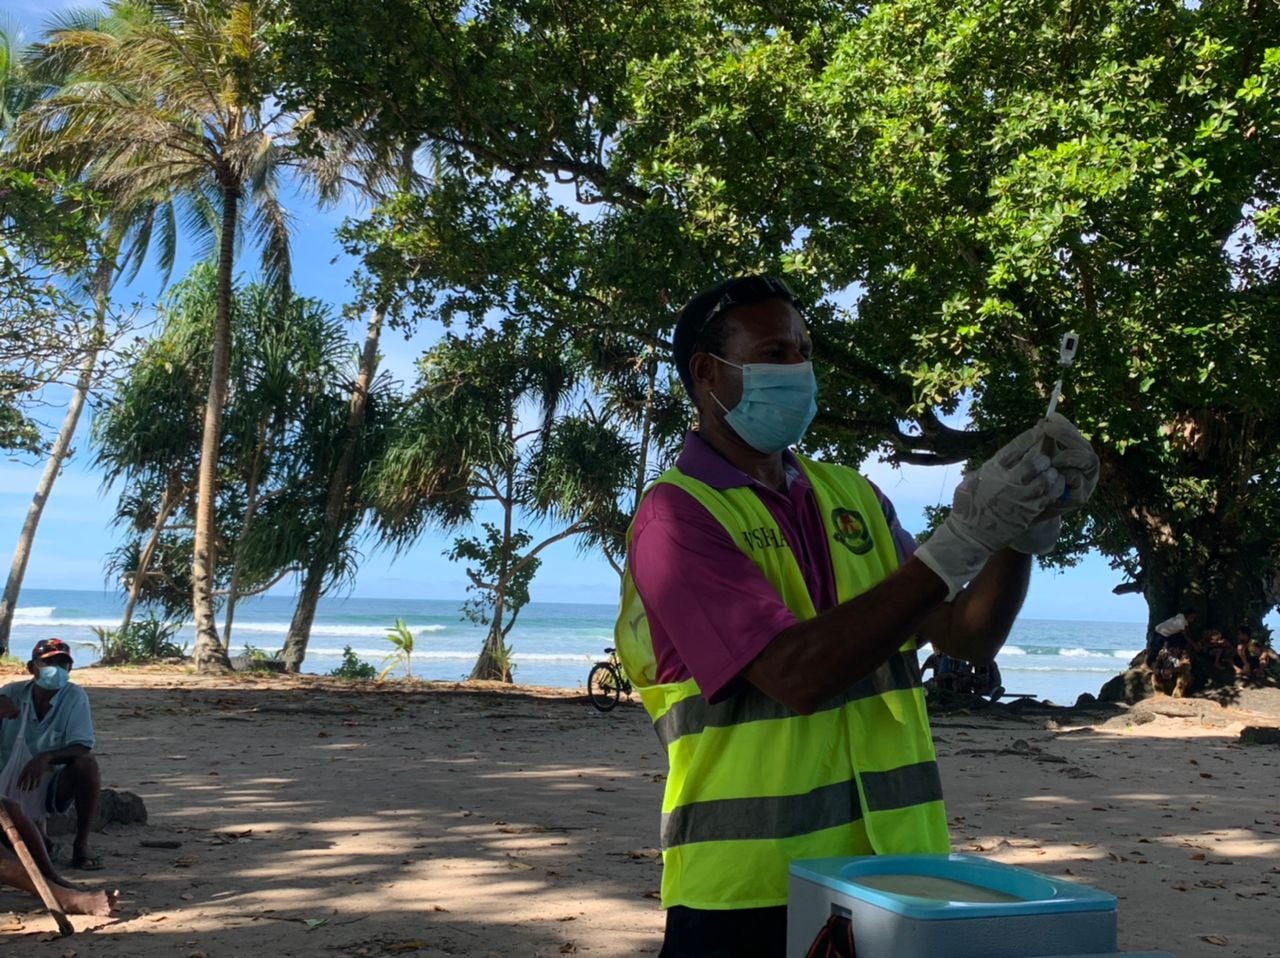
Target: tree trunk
x,y
210,655
304,613
646,427
337,503
61,447
493,663
250,507
171,499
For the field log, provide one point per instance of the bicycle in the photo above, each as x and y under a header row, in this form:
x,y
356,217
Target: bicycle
x,y
607,681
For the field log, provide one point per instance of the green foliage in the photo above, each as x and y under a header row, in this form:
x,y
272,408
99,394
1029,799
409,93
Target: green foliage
x,y
144,641
286,412
401,638
47,235
490,559
950,185
499,418
352,668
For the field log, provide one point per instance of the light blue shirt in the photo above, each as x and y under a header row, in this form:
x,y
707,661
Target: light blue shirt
x,y
68,721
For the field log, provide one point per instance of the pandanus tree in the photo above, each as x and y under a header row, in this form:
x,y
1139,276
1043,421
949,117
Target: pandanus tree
x,y
173,105
497,431
286,367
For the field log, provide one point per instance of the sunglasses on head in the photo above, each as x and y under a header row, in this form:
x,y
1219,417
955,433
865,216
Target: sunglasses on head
x,y
748,291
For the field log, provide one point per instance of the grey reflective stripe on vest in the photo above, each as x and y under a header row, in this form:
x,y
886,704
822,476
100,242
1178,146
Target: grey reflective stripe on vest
x,y
902,787
692,715
731,819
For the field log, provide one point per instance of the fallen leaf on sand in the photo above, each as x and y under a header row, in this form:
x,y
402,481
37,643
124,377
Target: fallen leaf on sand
x,y
1214,939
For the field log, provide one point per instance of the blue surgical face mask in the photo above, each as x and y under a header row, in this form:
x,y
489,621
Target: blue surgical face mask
x,y
778,402
52,677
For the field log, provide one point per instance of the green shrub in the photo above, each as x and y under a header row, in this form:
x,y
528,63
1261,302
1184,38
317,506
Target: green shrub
x,y
352,667
144,641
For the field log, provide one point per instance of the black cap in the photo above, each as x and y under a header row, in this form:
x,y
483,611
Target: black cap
x,y
715,301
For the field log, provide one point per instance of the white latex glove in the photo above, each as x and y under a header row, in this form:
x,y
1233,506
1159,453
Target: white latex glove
x,y
1075,459
991,508
1040,539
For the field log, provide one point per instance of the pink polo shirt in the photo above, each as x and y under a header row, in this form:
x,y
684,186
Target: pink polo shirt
x,y
710,610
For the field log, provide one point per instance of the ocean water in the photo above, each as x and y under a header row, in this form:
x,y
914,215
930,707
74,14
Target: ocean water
x,y
553,643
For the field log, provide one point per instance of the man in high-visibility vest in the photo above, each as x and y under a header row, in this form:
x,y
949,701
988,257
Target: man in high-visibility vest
x,y
771,612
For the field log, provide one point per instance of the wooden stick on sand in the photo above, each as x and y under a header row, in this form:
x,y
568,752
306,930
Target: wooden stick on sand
x,y
33,872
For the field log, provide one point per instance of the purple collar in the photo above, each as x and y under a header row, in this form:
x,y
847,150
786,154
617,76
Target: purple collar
x,y
699,460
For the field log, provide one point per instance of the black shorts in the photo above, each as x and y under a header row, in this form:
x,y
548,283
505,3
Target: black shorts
x,y
738,933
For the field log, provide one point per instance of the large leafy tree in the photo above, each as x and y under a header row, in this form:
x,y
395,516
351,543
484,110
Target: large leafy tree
x,y
952,185
174,103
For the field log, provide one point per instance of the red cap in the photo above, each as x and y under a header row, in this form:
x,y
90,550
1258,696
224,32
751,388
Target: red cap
x,y
48,648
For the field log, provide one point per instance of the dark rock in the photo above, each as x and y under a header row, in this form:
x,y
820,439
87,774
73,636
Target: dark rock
x,y
1131,685
245,663
1260,735
114,808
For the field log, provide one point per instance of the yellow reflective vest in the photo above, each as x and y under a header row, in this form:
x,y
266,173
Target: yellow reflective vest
x,y
752,784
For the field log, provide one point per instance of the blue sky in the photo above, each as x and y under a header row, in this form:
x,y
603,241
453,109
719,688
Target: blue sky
x,y
75,536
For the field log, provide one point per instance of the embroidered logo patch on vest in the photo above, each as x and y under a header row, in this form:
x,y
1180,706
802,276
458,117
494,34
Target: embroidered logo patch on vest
x,y
851,531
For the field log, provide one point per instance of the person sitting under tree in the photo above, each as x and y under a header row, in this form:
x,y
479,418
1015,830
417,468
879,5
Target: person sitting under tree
x,y
1256,658
1172,670
1172,631
46,746
1216,645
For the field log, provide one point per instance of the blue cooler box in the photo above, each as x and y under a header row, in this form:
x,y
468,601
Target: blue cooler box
x,y
947,906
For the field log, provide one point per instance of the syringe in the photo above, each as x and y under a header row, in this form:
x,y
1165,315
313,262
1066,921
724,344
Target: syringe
x,y
1066,356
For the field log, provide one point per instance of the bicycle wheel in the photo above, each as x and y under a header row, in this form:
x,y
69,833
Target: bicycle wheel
x,y
603,686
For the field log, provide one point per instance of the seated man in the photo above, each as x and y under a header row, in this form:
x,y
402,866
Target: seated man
x,y
1219,648
72,900
949,673
1255,658
1172,631
46,743
986,680
1172,671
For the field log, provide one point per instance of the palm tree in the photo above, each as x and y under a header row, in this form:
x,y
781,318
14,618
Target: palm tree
x,y
172,105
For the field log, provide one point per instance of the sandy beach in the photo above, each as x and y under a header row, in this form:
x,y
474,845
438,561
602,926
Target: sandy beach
x,y
306,817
